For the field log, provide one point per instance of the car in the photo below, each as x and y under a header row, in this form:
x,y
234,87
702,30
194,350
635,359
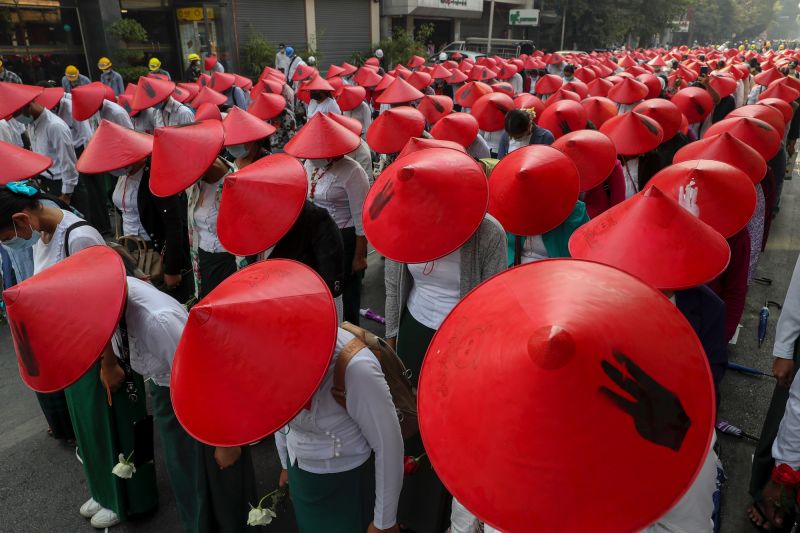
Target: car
x,y
465,54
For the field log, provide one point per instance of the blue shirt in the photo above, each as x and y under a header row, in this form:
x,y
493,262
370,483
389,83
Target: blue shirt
x,y
82,80
113,79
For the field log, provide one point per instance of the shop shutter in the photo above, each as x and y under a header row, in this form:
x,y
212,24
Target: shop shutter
x,y
342,28
277,21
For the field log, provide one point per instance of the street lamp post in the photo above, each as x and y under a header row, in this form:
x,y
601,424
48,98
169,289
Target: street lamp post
x,y
564,23
491,23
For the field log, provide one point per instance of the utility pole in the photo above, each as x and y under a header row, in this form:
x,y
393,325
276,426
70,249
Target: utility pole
x,y
563,23
491,23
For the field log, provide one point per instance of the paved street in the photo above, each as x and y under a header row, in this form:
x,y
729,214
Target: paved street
x,y
42,485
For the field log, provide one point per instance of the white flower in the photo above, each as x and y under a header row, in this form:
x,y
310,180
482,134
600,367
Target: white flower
x,y
260,517
124,468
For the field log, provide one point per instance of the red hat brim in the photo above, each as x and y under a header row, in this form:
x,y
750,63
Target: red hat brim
x,y
151,91
350,123
500,358
563,117
768,114
51,97
628,91
244,347
87,99
599,109
633,134
321,138
726,197
14,96
267,106
416,144
593,154
210,62
533,189
207,95
182,154
273,188
461,128
63,317
599,87
399,92
207,111
445,189
490,110
753,132
725,148
113,146
21,164
653,238
390,132
781,105
242,127
366,77
694,102
351,97
548,84
667,114
434,107
468,94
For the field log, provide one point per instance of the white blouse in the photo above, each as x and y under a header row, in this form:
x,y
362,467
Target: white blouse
x,y
48,254
341,190
328,105
436,289
533,249
363,114
205,218
125,198
327,439
631,170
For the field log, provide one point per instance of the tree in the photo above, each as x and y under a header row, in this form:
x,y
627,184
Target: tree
x,y
402,45
130,64
256,54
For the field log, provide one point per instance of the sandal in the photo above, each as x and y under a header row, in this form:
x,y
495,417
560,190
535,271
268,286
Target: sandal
x,y
757,509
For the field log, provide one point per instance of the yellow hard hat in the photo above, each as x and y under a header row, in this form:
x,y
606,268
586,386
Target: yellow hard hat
x,y
741,47
104,63
782,47
154,64
72,73
194,57
752,47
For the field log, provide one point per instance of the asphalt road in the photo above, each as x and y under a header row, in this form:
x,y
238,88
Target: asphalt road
x,y
42,484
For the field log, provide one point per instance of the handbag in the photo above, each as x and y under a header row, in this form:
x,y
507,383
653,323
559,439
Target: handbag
x,y
148,261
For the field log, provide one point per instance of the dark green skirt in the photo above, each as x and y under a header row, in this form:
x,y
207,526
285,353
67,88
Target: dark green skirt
x,y
54,407
333,503
103,433
413,339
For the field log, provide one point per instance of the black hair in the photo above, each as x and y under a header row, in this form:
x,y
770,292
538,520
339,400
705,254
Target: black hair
x,y
12,203
569,68
517,122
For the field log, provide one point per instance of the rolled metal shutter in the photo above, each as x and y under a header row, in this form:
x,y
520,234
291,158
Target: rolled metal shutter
x,y
342,28
277,21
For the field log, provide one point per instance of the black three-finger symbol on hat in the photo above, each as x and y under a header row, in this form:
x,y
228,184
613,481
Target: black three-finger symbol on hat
x,y
657,412
24,349
149,89
381,199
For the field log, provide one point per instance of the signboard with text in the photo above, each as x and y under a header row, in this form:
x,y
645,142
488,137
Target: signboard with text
x,y
464,5
523,17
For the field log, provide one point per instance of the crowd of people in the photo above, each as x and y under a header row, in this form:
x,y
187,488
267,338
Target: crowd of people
x,y
568,243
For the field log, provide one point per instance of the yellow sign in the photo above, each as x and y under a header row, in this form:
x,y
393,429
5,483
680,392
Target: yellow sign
x,y
194,14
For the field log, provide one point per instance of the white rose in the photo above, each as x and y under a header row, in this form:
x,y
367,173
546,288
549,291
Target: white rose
x,y
260,517
124,469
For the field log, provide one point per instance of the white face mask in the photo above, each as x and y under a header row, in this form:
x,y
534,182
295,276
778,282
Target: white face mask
x,y
238,150
320,163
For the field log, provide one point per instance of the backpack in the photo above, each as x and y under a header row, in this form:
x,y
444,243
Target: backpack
x,y
394,371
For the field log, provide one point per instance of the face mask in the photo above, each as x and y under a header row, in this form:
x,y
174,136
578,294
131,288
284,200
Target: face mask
x,y
119,172
238,150
18,243
319,163
24,119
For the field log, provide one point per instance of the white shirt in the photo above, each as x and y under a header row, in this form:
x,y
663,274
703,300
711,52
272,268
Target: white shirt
x,y
155,322
492,138
48,254
516,144
788,328
738,95
281,61
328,439
363,156
341,189
533,249
516,83
328,105
479,149
81,130
292,64
752,98
436,289
175,113
205,217
9,134
50,136
145,121
363,114
631,171
125,198
115,113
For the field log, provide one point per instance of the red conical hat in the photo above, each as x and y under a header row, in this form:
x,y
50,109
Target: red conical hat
x,y
481,73
435,107
653,84
366,77
593,154
504,87
63,317
241,127
633,134
351,97
599,109
385,82
768,114
468,94
274,87
130,89
185,91
457,76
210,96
13,96
350,123
628,91
529,101
126,102
237,354
781,92
590,333
533,189
415,62
664,112
768,76
267,106
728,149
348,69
439,72
182,154
207,111
50,97
444,188
399,92
20,164
725,195
725,85
585,74
210,62
563,117
781,105
657,61
317,83
321,138
393,128
626,61
151,91
222,81
461,128
87,99
578,87
753,132
113,146
243,83
303,72
694,102
416,144
333,71
273,188
560,95
548,84
491,109
203,80
420,80
599,87
656,240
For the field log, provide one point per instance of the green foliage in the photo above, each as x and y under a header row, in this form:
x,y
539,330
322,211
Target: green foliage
x,y
716,21
310,49
359,58
256,54
128,31
402,45
131,74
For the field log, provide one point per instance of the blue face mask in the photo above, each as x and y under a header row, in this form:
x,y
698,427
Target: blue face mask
x,y
18,243
238,150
